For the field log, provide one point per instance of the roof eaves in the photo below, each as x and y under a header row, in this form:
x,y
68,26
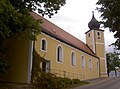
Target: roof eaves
x,y
64,41
93,29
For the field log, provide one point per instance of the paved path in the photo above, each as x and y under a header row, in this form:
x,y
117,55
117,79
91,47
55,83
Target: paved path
x,y
105,83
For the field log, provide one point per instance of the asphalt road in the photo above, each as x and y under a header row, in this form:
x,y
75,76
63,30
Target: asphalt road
x,y
107,83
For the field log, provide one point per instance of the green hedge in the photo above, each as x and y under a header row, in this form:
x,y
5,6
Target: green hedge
x,y
50,81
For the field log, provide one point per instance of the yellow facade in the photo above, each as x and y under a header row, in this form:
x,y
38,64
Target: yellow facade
x,y
65,68
20,59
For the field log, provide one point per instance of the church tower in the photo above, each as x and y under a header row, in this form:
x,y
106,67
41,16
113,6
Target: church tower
x,y
95,40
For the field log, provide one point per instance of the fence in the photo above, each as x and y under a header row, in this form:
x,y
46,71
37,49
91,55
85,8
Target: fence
x,y
60,73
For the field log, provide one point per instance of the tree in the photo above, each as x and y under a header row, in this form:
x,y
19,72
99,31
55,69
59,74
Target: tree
x,y
15,18
113,61
110,13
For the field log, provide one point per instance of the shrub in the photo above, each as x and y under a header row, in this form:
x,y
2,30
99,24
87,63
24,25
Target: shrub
x,y
63,82
45,81
4,66
50,81
76,81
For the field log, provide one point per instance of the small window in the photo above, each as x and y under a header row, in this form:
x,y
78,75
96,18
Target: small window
x,y
98,35
59,54
43,45
97,65
73,60
90,64
88,34
83,61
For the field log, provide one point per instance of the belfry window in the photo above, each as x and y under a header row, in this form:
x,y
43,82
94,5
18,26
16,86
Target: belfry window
x,y
88,34
73,60
59,54
98,34
43,44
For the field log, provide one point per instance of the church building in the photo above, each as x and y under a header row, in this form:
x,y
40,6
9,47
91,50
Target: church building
x,y
65,55
68,56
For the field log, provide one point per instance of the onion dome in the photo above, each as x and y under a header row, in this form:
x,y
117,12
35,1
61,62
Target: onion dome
x,y
93,24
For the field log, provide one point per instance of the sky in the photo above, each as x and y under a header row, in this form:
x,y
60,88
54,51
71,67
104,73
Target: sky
x,y
75,16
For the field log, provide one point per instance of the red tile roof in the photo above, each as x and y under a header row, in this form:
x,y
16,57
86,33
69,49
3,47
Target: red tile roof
x,y
58,33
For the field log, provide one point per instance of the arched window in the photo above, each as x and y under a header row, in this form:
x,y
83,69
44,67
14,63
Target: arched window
x,y
59,54
97,65
83,61
99,35
73,59
88,34
43,45
90,64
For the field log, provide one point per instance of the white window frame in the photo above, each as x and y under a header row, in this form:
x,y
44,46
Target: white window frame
x,y
98,36
97,65
73,58
42,44
90,64
61,54
83,61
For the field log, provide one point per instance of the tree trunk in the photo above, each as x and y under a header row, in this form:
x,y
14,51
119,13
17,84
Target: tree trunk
x,y
115,72
108,73
1,41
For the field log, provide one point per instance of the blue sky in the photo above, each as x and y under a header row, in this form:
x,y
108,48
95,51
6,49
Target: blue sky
x,y
75,16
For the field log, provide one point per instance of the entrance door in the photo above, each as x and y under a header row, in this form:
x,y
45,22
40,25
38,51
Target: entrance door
x,y
46,66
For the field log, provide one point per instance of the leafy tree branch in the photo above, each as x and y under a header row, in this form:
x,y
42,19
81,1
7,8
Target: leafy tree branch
x,y
110,13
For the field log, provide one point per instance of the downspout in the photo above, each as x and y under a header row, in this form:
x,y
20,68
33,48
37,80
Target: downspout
x,y
99,68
